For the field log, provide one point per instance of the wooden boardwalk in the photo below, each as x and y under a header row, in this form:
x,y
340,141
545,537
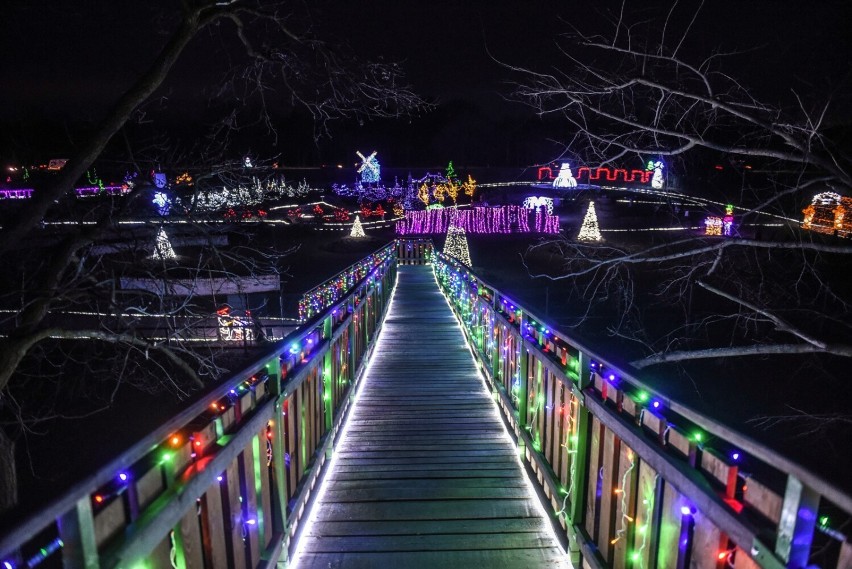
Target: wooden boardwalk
x,y
425,475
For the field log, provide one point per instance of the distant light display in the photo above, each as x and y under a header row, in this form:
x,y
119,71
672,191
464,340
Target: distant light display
x,y
233,328
84,192
369,168
243,196
657,181
713,225
357,228
163,203
163,247
565,179
589,175
501,219
826,198
160,180
827,214
21,194
728,220
534,202
589,229
456,245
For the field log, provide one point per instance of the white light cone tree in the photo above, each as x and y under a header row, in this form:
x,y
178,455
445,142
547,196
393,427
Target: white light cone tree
x,y
590,230
357,228
163,247
456,245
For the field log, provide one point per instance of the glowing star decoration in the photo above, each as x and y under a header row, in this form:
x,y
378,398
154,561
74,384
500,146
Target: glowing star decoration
x,y
589,230
369,169
456,245
357,228
565,179
534,202
657,181
713,225
163,203
163,248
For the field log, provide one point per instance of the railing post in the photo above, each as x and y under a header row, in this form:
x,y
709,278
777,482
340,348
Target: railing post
x,y
327,389
580,448
77,532
523,386
353,344
279,490
797,524
496,349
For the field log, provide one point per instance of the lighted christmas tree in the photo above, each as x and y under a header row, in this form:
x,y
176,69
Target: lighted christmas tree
x,y
357,229
451,173
589,230
456,245
163,248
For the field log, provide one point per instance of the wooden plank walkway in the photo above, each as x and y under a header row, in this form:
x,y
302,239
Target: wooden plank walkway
x,y
425,475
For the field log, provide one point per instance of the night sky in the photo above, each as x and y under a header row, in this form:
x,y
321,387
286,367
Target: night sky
x,y
64,63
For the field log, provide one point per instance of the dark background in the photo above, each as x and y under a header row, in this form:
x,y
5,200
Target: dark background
x,y
62,64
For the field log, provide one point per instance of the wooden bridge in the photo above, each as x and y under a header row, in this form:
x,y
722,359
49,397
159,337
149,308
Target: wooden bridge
x,y
426,475
373,436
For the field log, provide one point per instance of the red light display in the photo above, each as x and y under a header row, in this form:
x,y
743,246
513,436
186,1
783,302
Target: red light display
x,y
602,174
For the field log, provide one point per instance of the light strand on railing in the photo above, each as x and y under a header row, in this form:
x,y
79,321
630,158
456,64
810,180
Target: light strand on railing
x,y
648,502
569,439
623,491
319,298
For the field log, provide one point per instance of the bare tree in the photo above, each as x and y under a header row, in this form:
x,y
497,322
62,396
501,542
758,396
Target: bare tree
x,y
631,95
62,285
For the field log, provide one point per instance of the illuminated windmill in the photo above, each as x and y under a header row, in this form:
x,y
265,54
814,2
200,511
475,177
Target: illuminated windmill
x,y
369,169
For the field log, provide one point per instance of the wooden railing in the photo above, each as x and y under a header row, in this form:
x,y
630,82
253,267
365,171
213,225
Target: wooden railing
x,y
636,479
225,482
317,299
414,251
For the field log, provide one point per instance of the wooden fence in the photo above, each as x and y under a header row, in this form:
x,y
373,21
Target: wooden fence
x,y
225,482
635,479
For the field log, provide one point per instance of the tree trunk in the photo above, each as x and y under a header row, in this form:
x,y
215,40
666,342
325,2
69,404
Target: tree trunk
x,y
8,474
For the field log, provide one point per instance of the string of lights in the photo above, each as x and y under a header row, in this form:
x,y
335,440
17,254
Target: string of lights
x,y
481,220
321,297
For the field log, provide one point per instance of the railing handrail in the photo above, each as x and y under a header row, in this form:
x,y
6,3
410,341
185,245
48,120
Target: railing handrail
x,y
35,521
388,245
742,441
